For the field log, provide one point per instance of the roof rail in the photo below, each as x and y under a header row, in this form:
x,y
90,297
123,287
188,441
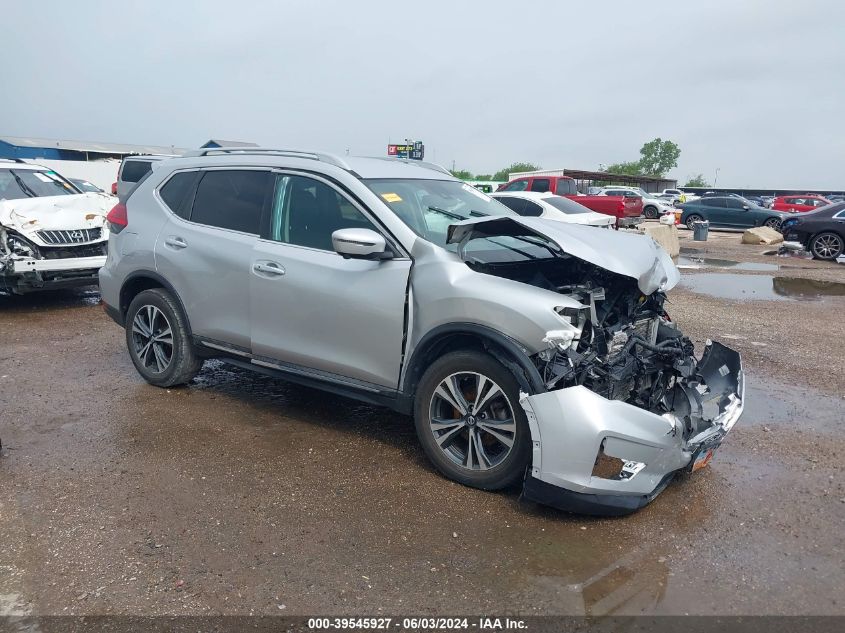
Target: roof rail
x,y
323,157
418,163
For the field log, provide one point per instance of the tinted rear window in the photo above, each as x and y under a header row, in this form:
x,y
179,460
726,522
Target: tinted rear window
x,y
175,192
565,187
566,205
231,199
134,170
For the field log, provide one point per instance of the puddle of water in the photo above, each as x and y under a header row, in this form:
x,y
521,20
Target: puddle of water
x,y
761,287
707,262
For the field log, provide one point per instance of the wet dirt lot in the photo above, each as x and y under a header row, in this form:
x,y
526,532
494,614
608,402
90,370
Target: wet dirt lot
x,y
243,494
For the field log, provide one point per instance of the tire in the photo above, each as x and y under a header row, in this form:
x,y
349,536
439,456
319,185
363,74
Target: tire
x,y
693,217
772,223
160,363
650,212
827,246
452,444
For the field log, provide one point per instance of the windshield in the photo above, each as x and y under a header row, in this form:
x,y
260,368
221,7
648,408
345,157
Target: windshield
x,y
566,205
16,184
428,207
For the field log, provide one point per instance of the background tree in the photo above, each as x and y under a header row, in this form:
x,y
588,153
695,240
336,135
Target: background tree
x,y
483,177
696,180
623,169
462,174
658,157
502,174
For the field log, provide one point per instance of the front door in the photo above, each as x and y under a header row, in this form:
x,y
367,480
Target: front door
x,y
311,307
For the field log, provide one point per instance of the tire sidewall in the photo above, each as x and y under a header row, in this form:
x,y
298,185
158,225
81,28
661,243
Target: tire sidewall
x,y
692,217
820,235
183,355
513,467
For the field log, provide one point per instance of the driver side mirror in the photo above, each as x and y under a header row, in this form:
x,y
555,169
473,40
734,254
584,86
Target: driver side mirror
x,y
746,207
360,244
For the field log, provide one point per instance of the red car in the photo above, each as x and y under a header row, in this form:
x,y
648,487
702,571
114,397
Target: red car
x,y
809,202
626,209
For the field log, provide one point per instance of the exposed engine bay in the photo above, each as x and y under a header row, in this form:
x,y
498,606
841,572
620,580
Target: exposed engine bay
x,y
625,346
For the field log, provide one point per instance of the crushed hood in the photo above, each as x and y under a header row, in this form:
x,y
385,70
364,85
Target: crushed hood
x,y
636,256
81,211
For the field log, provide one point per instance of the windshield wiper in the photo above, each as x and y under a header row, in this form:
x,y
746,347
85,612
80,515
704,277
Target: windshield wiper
x,y
448,214
24,187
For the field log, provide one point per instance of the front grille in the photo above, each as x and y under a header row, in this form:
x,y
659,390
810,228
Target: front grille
x,y
86,250
75,236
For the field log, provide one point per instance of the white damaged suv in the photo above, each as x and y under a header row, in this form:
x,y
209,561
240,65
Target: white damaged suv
x,y
526,349
51,234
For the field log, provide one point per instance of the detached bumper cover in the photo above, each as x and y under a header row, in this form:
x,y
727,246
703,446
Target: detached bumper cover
x,y
572,427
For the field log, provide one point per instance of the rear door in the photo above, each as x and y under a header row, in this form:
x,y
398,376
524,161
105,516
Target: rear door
x,y
205,250
716,211
311,308
736,215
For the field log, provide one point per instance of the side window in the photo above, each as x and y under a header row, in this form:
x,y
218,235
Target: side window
x,y
565,187
733,203
718,203
176,192
540,184
516,185
532,209
134,170
517,205
231,199
306,212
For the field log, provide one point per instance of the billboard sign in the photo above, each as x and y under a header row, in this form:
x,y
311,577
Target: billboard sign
x,y
414,151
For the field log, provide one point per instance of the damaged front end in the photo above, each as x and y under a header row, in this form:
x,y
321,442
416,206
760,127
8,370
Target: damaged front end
x,y
627,403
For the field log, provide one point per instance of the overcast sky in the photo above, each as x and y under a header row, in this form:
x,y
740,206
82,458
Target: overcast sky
x,y
754,88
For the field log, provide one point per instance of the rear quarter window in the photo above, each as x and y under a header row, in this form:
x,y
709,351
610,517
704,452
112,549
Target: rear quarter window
x,y
175,193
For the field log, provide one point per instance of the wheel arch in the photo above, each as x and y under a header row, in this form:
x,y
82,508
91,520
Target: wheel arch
x,y
470,336
141,280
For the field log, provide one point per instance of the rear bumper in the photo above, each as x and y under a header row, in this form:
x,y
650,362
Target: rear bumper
x,y
573,429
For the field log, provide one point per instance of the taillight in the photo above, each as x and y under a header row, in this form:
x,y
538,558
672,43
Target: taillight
x,y
117,218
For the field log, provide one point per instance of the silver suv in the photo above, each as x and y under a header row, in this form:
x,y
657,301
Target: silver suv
x,y
525,349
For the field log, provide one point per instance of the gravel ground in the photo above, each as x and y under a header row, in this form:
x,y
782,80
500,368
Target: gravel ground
x,y
242,494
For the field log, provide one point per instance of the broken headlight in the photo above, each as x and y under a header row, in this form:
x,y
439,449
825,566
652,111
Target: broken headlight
x,y
16,245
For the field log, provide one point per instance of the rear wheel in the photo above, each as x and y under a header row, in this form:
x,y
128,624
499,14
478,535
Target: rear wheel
x,y
159,341
469,421
650,212
827,246
692,218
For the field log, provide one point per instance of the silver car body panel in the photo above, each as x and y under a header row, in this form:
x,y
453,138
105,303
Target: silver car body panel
x,y
569,427
628,254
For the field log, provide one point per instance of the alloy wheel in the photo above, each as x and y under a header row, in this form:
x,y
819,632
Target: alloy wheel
x,y
772,223
152,338
827,246
472,421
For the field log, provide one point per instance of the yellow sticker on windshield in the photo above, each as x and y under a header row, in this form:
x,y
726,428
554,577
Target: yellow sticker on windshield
x,y
391,197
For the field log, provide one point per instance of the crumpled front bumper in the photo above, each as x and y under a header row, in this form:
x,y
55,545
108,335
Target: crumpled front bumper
x,y
573,428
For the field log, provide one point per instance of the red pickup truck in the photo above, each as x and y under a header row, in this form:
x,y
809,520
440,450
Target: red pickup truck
x,y
626,209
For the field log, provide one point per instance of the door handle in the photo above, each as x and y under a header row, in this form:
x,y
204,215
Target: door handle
x,y
175,242
269,268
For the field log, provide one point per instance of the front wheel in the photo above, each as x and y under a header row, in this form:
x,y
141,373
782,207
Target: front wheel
x,y
692,218
469,421
773,223
650,212
827,246
159,341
